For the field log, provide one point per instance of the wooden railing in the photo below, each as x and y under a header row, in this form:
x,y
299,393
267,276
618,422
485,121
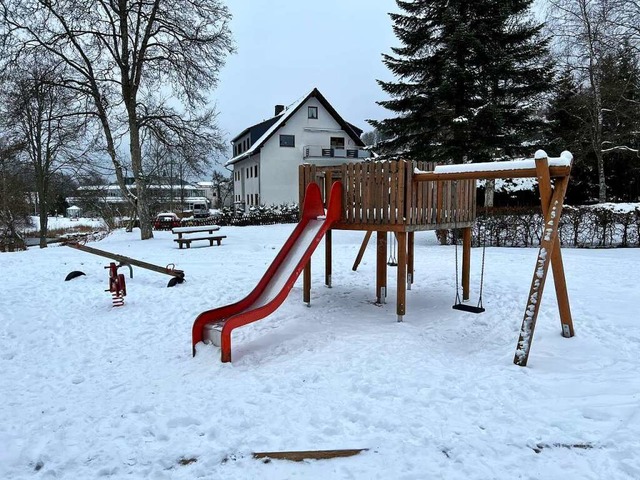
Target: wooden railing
x,y
386,193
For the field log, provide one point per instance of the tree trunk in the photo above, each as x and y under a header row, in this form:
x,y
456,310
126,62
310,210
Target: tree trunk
x,y
44,219
489,192
142,205
42,187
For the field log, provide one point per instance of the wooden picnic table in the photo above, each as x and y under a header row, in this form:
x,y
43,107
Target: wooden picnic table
x,y
180,231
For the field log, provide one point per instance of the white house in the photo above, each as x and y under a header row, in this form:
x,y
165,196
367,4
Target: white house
x,y
266,156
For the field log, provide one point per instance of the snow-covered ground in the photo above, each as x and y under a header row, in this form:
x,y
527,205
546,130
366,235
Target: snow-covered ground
x,y
88,390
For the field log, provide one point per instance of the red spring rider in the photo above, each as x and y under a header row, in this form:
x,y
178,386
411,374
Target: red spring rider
x,y
117,285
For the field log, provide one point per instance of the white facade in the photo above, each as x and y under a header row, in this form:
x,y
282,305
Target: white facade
x,y
266,172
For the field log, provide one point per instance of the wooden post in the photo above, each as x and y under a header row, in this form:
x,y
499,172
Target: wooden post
x,y
560,283
381,267
410,253
306,284
363,247
466,261
401,301
549,237
327,258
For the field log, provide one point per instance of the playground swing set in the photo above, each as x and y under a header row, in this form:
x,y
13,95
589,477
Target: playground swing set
x,y
395,199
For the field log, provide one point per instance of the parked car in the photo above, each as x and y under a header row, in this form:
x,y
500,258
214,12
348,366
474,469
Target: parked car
x,y
166,221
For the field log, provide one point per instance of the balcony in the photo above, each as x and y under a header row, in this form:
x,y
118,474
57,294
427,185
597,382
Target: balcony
x,y
319,151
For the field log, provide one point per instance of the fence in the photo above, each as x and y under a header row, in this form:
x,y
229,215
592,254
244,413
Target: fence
x,y
384,193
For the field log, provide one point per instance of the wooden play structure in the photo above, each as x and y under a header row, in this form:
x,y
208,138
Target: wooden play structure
x,y
404,197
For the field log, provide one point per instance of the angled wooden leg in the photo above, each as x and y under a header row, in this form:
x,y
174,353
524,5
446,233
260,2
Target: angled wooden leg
x,y
549,237
363,247
559,281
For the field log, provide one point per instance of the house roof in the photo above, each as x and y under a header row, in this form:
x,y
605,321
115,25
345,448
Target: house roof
x,y
276,122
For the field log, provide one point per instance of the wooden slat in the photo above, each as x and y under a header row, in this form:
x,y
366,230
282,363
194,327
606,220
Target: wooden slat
x,y
385,192
400,194
359,178
368,187
393,192
408,197
421,201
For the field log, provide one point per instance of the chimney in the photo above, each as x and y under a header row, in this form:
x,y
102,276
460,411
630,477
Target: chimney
x,y
279,110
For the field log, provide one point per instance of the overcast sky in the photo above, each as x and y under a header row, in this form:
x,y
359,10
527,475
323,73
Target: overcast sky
x,y
285,48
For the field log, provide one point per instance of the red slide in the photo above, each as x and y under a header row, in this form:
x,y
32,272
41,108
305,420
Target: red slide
x,y
280,277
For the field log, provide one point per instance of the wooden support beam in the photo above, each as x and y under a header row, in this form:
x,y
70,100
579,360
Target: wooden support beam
x,y
299,456
306,284
557,267
381,267
363,247
410,258
401,300
554,172
549,235
327,258
466,262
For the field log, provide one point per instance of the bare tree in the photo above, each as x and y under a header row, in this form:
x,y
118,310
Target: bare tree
x,y
140,62
47,119
14,209
586,32
223,187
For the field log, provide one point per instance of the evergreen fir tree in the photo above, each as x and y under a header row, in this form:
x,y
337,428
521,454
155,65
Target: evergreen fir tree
x,y
469,75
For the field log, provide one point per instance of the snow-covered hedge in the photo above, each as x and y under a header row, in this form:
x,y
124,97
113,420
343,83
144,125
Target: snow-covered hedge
x,y
261,215
584,226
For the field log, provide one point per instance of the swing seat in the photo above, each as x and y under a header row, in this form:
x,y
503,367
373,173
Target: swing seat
x,y
463,307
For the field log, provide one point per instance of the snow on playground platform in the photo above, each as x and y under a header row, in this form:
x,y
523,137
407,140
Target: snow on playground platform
x,y
89,390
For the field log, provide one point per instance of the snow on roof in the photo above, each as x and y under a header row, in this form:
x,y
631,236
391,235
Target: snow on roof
x,y
258,143
563,161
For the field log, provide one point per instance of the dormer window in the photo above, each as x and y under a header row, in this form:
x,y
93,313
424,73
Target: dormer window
x,y
313,113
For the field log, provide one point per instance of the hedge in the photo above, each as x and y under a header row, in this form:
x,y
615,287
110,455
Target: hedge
x,y
582,227
261,215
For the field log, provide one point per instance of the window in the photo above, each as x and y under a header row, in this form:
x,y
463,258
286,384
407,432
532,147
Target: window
x,y
337,142
255,171
313,112
287,140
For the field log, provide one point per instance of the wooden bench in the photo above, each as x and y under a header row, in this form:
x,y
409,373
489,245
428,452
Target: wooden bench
x,y
180,231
